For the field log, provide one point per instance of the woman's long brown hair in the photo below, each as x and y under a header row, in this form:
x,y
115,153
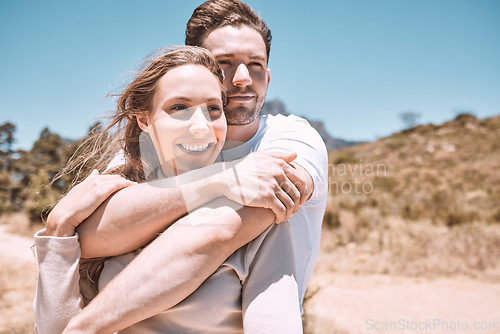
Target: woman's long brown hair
x,y
124,135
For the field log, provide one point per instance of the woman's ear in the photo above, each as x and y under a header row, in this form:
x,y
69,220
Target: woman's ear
x,y
142,121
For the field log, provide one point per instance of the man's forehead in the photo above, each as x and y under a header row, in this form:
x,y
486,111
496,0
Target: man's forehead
x,y
233,41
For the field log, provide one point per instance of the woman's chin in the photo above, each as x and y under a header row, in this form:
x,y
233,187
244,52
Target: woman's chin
x,y
186,166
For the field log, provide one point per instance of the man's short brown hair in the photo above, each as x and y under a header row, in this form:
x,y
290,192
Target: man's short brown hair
x,y
214,14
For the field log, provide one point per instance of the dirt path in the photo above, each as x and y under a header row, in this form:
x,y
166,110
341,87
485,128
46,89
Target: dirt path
x,y
14,247
17,282
387,304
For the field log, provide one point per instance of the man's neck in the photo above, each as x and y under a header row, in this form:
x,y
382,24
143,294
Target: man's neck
x,y
239,134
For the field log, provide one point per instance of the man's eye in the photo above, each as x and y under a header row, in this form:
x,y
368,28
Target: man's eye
x,y
255,64
224,62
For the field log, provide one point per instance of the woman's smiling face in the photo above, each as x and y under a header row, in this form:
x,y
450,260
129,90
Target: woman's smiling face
x,y
187,123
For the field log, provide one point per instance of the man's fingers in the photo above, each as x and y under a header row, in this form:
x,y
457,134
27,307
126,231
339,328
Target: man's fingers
x,y
293,175
287,156
293,193
278,209
287,203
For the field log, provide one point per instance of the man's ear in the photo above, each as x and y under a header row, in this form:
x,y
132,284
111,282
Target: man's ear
x,y
268,76
142,121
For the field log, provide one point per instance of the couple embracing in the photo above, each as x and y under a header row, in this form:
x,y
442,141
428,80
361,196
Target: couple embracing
x,y
200,215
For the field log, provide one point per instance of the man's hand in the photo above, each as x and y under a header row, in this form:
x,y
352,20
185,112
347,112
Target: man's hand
x,y
267,180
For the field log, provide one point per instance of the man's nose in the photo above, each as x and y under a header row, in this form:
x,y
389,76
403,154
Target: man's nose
x,y
199,123
241,76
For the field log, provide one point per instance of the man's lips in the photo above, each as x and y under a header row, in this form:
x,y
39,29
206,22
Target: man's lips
x,y
241,98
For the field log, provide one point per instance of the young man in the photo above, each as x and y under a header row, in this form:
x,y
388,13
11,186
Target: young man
x,y
183,258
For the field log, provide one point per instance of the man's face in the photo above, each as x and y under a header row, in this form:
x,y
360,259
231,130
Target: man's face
x,y
241,52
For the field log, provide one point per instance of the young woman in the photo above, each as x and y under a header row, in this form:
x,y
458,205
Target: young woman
x,y
173,122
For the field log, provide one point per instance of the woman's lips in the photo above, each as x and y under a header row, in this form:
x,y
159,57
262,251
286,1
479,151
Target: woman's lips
x,y
195,148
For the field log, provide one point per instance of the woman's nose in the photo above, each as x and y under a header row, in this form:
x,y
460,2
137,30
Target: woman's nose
x,y
241,76
199,123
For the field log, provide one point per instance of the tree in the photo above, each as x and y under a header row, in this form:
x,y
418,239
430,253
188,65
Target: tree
x,y
6,141
38,166
409,118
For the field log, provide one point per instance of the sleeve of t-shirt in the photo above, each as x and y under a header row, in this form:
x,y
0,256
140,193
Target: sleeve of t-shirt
x,y
57,297
270,301
295,134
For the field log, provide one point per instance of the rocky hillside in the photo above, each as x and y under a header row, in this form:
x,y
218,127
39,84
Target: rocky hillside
x,y
422,201
275,107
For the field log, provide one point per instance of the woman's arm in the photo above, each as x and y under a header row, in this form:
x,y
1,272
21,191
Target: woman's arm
x,y
57,297
270,300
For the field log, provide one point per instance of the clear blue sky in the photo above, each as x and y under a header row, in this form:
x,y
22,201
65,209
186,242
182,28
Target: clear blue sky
x,y
355,64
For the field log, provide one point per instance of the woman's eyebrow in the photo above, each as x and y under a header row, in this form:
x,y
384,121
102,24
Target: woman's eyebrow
x,y
184,98
214,99
188,99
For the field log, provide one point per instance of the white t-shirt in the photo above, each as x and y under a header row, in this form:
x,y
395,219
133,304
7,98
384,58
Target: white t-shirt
x,y
295,134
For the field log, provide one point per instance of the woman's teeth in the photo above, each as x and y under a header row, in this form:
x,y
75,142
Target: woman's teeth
x,y
195,148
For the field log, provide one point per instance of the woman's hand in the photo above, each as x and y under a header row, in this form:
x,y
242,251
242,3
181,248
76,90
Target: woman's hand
x,y
267,180
81,201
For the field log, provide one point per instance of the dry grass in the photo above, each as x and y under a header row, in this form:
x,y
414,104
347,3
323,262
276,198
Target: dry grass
x,y
17,278
17,289
423,202
395,247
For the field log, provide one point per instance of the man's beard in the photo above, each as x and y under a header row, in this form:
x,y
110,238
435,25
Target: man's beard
x,y
244,115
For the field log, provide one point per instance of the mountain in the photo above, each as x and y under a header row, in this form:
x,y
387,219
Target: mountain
x,y
275,107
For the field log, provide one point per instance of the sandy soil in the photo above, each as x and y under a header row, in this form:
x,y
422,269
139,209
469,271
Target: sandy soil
x,y
17,282
388,304
338,303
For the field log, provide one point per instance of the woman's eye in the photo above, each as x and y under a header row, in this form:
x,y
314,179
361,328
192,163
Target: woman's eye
x,y
178,107
224,62
215,112
180,112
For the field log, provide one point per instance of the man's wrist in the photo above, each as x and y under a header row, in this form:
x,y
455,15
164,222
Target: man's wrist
x,y
224,181
203,191
216,185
